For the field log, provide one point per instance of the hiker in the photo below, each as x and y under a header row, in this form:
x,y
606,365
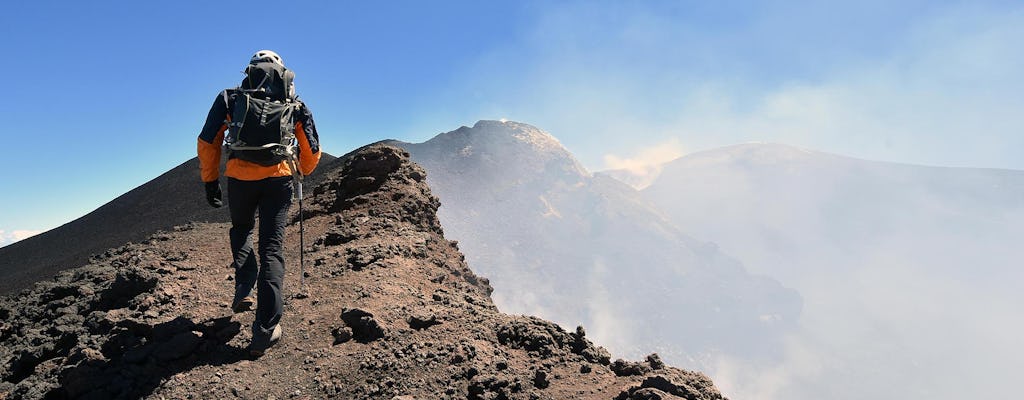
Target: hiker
x,y
259,123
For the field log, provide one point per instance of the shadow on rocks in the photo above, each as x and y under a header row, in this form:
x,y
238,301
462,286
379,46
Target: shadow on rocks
x,y
140,357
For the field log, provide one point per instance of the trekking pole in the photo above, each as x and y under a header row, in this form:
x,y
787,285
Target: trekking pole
x,y
302,243
297,175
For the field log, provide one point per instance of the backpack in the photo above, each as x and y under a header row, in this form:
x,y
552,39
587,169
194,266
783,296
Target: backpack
x,y
262,124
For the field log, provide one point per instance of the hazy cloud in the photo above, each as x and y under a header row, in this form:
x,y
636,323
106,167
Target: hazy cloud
x,y
645,164
8,237
940,86
908,274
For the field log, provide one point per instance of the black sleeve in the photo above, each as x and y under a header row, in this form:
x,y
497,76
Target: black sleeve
x,y
216,119
306,118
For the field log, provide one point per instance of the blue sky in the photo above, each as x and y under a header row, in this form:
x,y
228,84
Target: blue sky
x,y
101,98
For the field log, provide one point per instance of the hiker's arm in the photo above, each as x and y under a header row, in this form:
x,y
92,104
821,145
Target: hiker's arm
x,y
210,140
309,141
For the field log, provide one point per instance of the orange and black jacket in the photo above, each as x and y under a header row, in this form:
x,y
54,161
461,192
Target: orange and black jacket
x,y
211,140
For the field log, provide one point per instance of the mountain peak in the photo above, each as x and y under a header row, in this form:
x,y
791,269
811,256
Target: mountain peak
x,y
525,133
504,133
519,149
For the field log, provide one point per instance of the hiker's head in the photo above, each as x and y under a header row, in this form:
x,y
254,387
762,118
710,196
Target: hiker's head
x,y
266,56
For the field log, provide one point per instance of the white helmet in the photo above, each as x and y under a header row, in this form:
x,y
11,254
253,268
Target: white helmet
x,y
266,56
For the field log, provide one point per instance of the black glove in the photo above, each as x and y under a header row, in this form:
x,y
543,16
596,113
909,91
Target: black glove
x,y
213,195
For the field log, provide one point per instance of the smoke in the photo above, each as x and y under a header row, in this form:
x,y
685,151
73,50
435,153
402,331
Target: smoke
x,y
907,273
645,164
607,323
740,379
902,336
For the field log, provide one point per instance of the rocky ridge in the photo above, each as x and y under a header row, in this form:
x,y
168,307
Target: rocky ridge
x,y
390,310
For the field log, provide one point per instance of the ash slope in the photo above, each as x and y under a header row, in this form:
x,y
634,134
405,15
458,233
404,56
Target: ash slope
x,y
574,248
390,309
174,198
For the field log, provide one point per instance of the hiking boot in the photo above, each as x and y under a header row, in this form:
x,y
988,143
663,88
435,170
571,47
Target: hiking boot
x,y
243,300
261,343
240,305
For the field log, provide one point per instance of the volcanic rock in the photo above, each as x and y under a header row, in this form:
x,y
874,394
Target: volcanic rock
x,y
364,327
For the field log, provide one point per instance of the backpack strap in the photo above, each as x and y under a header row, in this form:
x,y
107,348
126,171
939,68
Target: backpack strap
x,y
289,84
259,88
288,151
235,124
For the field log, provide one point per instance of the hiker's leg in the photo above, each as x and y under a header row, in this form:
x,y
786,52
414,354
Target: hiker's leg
x,y
243,198
277,197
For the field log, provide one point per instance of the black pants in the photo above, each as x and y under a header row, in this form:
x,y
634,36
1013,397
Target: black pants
x,y
272,197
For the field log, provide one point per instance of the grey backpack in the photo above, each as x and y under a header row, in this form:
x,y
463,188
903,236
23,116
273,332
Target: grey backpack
x,y
261,128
